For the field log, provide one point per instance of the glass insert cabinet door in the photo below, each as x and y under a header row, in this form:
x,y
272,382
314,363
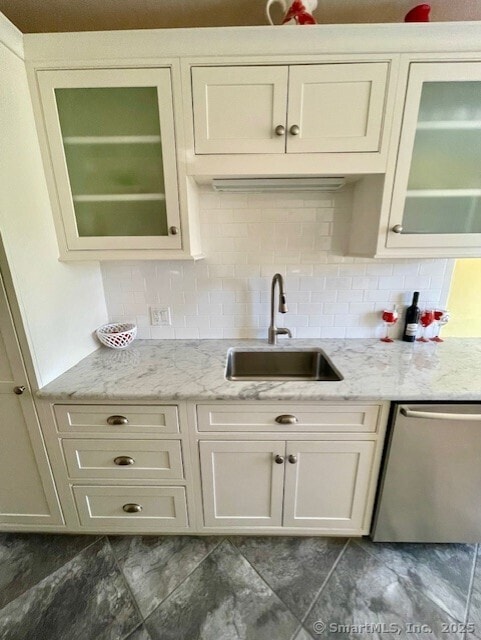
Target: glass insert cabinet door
x,y
112,148
437,191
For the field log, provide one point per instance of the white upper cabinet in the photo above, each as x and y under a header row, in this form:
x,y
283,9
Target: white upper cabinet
x,y
237,109
336,107
112,148
295,109
437,190
429,201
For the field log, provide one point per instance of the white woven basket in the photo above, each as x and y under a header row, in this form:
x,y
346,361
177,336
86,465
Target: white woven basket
x,y
117,335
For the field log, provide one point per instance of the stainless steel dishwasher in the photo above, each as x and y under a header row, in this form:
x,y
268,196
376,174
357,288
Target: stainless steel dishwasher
x,y
430,488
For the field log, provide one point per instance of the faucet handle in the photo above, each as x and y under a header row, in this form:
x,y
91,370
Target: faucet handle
x,y
284,331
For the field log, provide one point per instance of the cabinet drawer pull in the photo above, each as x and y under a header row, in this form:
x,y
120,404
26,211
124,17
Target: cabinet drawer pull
x,y
132,507
280,130
292,459
124,461
287,418
294,130
279,459
116,420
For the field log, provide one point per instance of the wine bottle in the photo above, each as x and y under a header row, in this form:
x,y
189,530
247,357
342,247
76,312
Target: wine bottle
x,y
411,322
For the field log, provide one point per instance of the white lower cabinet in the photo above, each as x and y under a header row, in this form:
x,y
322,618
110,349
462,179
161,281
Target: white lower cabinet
x,y
216,467
327,484
121,459
121,468
307,484
135,508
294,468
28,497
242,484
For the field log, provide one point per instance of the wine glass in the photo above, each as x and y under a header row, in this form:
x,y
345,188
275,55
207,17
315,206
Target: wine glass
x,y
425,320
389,317
441,317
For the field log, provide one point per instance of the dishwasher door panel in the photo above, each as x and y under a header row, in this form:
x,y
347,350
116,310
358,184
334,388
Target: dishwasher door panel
x,y
431,483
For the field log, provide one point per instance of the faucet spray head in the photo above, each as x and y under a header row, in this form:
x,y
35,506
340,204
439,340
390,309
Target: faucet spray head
x,y
283,304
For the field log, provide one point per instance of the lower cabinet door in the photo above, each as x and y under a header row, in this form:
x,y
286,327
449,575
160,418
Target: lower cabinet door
x,y
242,483
327,484
132,508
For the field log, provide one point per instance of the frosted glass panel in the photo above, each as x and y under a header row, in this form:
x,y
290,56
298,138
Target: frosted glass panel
x,y
132,218
442,215
112,111
114,168
112,144
446,161
450,101
121,219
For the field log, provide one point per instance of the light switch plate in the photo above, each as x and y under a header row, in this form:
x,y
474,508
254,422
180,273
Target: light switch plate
x,y
160,317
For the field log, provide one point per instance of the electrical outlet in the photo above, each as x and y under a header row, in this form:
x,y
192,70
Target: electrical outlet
x,y
160,317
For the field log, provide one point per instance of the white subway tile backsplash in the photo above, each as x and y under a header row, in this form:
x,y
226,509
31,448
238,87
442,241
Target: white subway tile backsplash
x,y
308,332
417,282
186,334
353,295
336,307
338,283
249,237
325,296
333,332
311,308
162,333
390,282
379,269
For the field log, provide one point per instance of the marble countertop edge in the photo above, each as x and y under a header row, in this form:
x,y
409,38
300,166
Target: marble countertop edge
x,y
194,370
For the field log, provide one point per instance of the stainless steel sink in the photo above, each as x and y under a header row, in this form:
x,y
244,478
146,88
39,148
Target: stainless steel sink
x,y
280,364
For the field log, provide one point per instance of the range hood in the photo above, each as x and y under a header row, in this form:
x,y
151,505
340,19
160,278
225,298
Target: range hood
x,y
264,185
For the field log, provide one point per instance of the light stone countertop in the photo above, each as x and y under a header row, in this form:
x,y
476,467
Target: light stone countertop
x,y
169,370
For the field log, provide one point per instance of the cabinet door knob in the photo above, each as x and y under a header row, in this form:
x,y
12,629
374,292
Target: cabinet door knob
x,y
292,459
294,130
279,459
116,420
280,130
398,228
132,507
173,231
124,461
287,419
19,390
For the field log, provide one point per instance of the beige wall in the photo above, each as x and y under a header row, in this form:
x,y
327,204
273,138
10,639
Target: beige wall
x,y
32,16
61,304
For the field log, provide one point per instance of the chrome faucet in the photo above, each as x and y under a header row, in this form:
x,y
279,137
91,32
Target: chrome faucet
x,y
274,331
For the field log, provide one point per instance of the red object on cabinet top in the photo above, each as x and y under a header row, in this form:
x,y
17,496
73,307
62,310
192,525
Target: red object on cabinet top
x,y
418,14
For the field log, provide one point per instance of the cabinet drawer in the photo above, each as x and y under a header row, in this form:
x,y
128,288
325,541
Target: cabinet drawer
x,y
123,459
160,507
116,419
300,417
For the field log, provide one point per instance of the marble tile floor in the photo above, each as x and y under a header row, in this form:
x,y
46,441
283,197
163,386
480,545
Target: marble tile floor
x,y
59,587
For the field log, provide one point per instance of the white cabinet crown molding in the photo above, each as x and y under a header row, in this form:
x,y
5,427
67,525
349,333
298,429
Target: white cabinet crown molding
x,y
261,40
11,37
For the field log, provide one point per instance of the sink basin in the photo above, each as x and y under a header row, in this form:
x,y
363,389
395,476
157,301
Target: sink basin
x,y
280,364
